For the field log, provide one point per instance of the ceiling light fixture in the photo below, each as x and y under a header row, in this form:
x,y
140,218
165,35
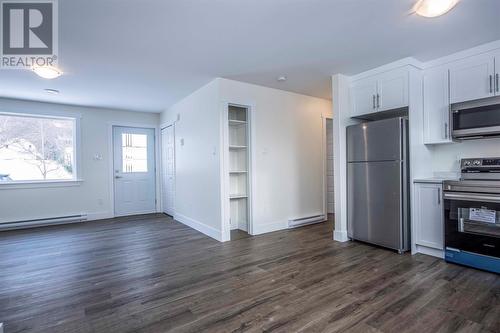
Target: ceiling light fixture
x,y
47,72
434,8
52,91
281,78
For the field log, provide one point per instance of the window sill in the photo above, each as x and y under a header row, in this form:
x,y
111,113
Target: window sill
x,y
40,184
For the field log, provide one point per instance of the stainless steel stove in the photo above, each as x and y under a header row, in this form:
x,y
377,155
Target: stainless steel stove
x,y
472,215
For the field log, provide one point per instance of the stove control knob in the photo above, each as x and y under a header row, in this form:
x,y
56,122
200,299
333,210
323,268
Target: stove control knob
x,y
477,162
467,163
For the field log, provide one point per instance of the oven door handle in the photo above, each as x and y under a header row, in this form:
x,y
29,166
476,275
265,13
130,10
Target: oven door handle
x,y
472,197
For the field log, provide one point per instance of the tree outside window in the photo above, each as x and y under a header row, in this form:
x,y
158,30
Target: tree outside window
x,y
36,148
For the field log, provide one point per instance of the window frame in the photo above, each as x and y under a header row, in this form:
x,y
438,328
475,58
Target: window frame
x,y
77,174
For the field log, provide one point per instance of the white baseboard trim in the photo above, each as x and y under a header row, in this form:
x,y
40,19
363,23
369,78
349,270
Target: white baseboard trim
x,y
430,251
259,229
99,216
199,226
340,236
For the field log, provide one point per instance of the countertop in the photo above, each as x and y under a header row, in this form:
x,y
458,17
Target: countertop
x,y
433,180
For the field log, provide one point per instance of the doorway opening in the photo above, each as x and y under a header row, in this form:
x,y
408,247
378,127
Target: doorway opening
x,y
330,190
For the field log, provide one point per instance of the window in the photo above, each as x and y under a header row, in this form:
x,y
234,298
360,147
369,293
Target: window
x,y
35,148
135,152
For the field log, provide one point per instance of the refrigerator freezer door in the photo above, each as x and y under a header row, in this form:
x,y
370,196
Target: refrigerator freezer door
x,y
374,203
375,141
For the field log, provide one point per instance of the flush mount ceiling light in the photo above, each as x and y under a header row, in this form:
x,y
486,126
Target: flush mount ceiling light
x,y
47,72
434,8
51,91
281,78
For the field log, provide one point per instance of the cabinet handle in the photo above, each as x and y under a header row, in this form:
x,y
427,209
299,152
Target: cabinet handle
x,y
491,84
496,80
374,101
446,130
378,100
439,196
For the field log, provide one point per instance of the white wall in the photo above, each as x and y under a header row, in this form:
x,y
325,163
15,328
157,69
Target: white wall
x,y
93,195
288,156
445,158
197,182
287,151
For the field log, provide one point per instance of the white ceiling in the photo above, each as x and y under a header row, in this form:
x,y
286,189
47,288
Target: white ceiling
x,y
146,55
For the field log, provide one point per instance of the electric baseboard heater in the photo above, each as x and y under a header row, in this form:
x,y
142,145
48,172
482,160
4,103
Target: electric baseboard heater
x,y
42,222
295,223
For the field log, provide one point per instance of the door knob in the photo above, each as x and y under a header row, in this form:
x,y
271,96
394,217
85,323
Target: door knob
x,y
118,177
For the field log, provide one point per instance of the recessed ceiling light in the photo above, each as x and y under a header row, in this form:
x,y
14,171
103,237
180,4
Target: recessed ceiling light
x,y
47,72
434,8
52,91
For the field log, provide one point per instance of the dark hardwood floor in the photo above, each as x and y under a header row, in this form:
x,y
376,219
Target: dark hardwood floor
x,y
151,274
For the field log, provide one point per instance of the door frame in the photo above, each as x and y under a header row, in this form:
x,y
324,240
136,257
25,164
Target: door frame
x,y
224,170
111,155
161,128
325,162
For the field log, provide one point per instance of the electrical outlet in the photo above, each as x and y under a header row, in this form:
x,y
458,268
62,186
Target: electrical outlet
x,y
182,141
178,117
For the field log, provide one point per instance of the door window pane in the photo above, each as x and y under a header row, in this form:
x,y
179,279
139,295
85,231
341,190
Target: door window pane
x,y
36,148
134,152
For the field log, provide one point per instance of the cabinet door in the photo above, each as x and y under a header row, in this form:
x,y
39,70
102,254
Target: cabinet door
x,y
436,106
363,93
497,74
392,90
472,78
429,222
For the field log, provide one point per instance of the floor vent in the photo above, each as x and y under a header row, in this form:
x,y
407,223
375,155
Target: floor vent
x,y
43,222
306,221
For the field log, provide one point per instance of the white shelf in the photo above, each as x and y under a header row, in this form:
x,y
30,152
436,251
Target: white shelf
x,y
238,196
238,167
237,122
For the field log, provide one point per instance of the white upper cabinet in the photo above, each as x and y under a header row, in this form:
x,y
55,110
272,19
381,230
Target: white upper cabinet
x,y
436,106
363,96
472,78
385,91
392,90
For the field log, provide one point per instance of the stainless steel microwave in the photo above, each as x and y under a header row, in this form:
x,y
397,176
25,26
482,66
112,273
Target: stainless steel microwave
x,y
475,119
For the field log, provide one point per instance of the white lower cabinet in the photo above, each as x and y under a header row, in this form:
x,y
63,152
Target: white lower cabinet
x,y
428,223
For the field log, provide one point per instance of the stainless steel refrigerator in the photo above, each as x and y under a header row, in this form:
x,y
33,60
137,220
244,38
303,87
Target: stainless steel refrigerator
x,y
377,183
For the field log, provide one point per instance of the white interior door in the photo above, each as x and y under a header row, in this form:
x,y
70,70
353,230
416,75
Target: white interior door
x,y
134,170
168,169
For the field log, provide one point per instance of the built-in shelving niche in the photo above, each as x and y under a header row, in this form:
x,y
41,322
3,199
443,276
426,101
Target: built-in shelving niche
x,y
238,167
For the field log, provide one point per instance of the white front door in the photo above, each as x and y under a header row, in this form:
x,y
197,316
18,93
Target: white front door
x,y
134,170
168,169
